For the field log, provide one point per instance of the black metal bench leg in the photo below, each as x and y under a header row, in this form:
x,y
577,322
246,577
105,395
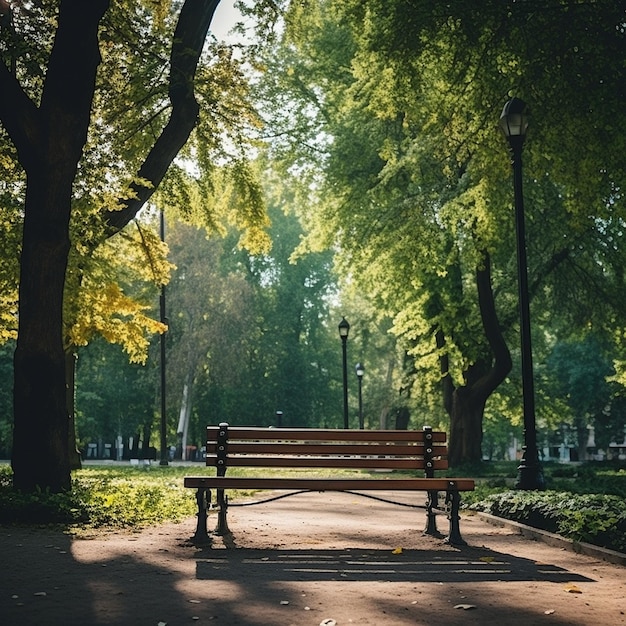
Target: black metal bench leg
x,y
203,498
222,521
431,517
453,498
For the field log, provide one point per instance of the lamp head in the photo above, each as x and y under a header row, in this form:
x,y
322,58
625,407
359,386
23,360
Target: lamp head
x,y
344,328
514,121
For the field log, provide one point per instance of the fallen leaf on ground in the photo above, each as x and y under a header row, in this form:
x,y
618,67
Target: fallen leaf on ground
x,y
572,589
397,551
487,559
548,612
465,607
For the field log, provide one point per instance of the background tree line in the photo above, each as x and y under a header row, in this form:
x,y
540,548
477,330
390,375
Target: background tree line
x,y
372,134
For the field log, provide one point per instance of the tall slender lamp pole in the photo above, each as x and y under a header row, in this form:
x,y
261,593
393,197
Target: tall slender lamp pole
x,y
514,123
360,370
163,460
344,329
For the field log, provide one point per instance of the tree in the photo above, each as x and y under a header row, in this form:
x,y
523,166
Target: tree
x,y
113,397
61,125
212,322
581,369
393,130
266,342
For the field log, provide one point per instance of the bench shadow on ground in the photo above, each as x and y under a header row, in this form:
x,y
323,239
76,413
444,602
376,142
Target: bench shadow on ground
x,y
467,564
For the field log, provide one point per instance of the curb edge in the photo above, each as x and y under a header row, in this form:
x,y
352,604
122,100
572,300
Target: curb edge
x,y
552,539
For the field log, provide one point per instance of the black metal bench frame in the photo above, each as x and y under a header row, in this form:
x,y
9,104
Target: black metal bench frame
x,y
229,446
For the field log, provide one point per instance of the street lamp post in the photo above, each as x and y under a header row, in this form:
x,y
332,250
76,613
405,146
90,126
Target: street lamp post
x,y
514,123
359,368
163,460
279,419
344,329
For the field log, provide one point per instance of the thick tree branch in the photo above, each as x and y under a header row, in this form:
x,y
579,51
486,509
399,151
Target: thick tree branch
x,y
60,124
491,325
191,31
19,116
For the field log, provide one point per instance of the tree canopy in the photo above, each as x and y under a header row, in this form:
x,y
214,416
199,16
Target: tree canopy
x,y
393,138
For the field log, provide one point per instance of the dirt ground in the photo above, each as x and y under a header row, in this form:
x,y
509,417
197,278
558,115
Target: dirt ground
x,y
308,560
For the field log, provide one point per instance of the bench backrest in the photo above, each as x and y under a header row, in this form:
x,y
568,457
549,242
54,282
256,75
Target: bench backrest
x,y
237,446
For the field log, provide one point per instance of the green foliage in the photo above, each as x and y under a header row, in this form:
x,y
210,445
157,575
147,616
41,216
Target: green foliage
x,y
386,115
585,502
582,479
248,332
113,397
102,498
592,518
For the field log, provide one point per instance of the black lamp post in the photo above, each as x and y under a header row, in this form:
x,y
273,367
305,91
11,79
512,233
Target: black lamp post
x,y
164,455
514,123
279,419
359,368
344,329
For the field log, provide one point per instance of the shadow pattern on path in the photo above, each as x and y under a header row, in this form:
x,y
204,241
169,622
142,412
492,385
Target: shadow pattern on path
x,y
375,565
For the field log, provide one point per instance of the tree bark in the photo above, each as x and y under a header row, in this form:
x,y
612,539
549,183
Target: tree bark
x,y
49,140
70,391
465,404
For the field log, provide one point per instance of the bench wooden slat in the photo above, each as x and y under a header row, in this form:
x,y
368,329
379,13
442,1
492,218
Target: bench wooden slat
x,y
336,449
329,462
321,434
330,484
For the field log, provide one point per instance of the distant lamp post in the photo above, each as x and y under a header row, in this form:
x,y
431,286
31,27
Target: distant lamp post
x,y
359,368
344,329
514,123
279,419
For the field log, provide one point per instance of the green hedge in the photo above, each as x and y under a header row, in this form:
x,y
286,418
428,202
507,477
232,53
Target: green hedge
x,y
591,518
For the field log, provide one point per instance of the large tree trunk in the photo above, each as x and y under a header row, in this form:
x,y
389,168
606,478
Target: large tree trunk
x,y
465,404
49,142
466,420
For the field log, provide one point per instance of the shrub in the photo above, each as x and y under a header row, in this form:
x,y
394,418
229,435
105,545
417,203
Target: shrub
x,y
101,498
592,518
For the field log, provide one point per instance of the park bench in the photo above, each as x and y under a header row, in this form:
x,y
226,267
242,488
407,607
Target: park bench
x,y
361,451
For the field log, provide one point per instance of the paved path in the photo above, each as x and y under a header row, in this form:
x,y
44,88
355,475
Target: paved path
x,y
301,561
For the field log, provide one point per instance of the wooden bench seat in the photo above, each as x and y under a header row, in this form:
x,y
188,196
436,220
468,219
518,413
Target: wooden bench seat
x,y
363,452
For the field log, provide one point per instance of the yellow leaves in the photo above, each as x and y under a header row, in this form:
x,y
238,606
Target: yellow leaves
x,y
116,317
572,588
396,551
96,302
8,314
